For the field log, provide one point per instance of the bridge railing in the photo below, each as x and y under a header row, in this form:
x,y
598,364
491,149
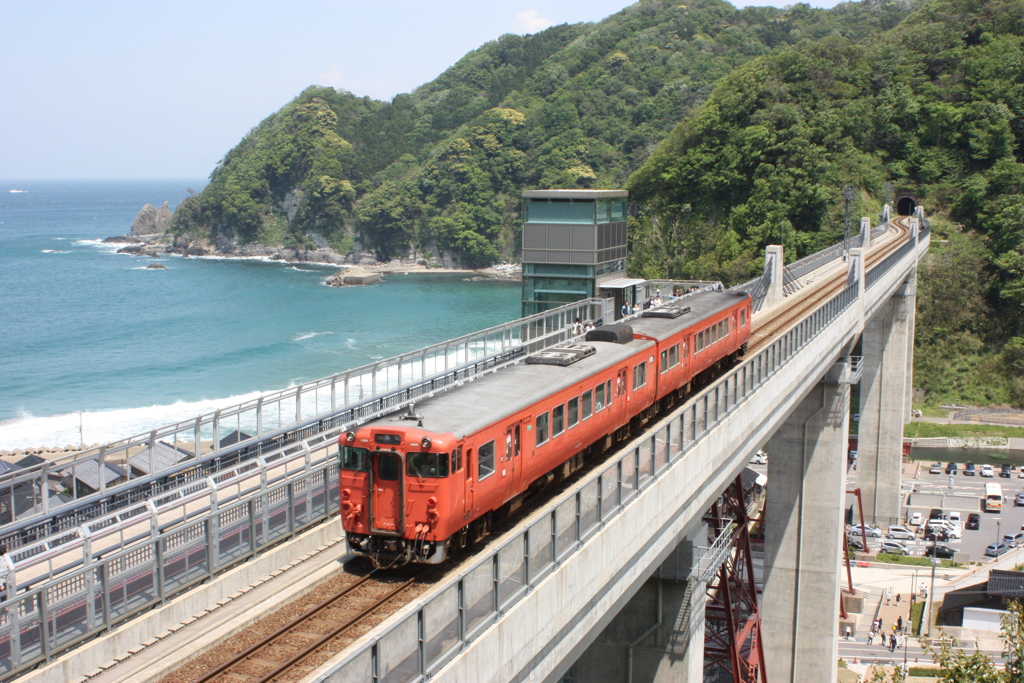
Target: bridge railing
x,y
424,640
277,419
59,595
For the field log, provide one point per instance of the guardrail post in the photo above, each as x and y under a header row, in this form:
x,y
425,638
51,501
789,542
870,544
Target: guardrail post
x,y
773,257
865,229
298,403
259,416
216,431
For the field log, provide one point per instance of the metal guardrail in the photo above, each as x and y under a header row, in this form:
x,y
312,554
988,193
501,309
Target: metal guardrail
x,y
129,562
311,408
758,287
797,269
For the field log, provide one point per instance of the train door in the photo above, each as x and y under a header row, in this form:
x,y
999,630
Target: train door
x,y
512,461
387,494
470,479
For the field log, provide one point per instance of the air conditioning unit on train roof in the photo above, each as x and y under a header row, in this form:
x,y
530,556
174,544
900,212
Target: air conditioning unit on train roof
x,y
561,355
665,312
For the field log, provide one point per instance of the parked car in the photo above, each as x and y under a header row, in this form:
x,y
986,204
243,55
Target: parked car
x,y
901,532
936,534
1005,471
951,468
969,469
760,458
951,529
953,516
936,513
987,471
973,521
939,551
856,417
854,544
870,531
916,519
1020,473
1019,500
893,548
936,468
996,549
1015,539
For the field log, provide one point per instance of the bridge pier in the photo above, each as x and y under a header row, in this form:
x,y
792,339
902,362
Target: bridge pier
x,y
888,348
658,636
803,534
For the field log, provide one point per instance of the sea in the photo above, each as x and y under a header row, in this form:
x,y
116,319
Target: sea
x,y
95,347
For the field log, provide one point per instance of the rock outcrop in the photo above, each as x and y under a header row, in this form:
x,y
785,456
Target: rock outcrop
x,y
151,220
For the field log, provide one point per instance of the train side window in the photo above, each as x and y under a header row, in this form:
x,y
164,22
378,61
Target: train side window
x,y
673,356
639,376
664,362
608,389
458,460
508,444
743,317
588,395
353,458
726,328
517,440
574,412
542,428
599,398
485,461
557,420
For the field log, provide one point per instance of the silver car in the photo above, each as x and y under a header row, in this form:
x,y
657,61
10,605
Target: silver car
x,y
893,548
901,532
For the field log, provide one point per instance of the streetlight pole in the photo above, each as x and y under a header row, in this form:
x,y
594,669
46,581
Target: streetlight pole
x,y
931,591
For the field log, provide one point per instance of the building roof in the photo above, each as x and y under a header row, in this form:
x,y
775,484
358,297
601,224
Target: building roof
x,y
30,461
1006,584
574,194
6,467
56,500
164,456
233,438
621,283
88,472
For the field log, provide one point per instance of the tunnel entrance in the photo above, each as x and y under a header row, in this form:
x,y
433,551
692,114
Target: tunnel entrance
x,y
905,206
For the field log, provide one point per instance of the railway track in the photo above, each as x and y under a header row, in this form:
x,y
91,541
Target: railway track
x,y
290,651
806,300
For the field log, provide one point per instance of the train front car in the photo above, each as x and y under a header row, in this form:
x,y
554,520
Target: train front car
x,y
396,486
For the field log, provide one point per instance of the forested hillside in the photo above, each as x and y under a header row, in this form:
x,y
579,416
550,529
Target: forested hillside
x,y
572,106
935,106
731,128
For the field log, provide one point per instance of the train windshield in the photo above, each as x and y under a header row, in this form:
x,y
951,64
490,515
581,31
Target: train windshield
x,y
426,465
353,458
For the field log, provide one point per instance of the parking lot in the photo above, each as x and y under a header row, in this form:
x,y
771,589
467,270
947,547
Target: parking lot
x,y
965,496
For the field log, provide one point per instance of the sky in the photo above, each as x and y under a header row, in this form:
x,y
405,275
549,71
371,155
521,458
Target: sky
x,y
155,89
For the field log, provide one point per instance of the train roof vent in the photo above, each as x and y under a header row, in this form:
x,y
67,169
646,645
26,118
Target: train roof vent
x,y
561,355
617,334
665,312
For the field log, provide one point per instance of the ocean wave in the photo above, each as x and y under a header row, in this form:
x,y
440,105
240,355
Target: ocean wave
x,y
109,246
308,335
105,426
54,251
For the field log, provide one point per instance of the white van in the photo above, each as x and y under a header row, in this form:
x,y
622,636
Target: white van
x,y
1015,539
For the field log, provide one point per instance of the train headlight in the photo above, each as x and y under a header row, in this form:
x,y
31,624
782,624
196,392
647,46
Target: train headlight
x,y
425,443
350,436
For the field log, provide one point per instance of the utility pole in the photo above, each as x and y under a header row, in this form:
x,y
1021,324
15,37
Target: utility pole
x,y
848,196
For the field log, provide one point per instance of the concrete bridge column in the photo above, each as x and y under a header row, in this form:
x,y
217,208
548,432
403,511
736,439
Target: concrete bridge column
x,y
658,636
803,534
773,255
887,345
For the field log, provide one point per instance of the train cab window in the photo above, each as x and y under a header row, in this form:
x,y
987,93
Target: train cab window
x,y
357,459
542,428
588,396
422,465
574,412
639,376
673,355
743,317
599,398
557,420
664,362
458,460
388,467
485,461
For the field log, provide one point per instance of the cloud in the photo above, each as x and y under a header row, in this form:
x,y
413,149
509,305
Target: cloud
x,y
530,22
377,88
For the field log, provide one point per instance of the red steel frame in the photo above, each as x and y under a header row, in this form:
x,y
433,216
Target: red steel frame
x,y
732,636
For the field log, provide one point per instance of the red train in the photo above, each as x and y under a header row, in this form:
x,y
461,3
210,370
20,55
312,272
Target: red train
x,y
413,484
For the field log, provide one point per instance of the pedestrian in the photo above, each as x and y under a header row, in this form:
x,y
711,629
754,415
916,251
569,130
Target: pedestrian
x,y
899,623
871,638
897,599
892,643
848,632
